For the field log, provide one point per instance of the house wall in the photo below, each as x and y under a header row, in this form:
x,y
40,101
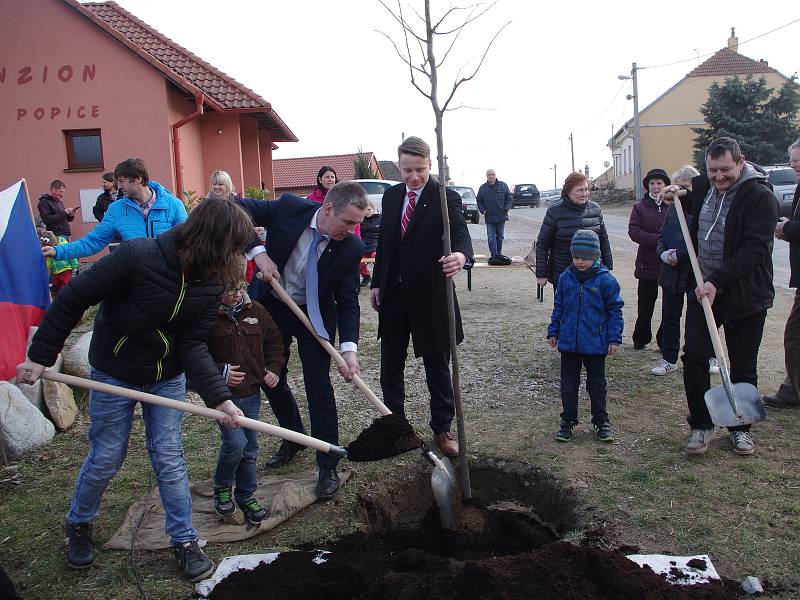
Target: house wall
x,y
59,71
195,178
265,156
251,161
222,148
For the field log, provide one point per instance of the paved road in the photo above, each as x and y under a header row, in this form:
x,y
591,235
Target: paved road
x,y
524,223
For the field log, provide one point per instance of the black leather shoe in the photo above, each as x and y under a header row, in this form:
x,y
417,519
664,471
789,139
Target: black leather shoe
x,y
285,453
327,484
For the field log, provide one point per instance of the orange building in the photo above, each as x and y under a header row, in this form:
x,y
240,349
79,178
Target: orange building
x,y
84,86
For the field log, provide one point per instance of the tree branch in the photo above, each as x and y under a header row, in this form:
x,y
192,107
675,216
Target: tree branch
x,y
407,61
475,72
400,20
470,19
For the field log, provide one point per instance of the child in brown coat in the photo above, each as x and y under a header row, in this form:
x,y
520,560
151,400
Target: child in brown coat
x,y
248,348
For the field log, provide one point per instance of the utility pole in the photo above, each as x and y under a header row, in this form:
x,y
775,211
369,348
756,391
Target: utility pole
x,y
637,142
572,152
555,177
637,146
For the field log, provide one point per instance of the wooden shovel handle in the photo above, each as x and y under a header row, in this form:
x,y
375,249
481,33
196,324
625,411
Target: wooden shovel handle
x,y
357,381
698,276
286,434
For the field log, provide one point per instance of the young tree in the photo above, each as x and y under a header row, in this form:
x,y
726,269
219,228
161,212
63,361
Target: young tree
x,y
363,166
762,121
423,67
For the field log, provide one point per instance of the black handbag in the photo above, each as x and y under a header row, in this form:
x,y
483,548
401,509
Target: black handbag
x,y
499,260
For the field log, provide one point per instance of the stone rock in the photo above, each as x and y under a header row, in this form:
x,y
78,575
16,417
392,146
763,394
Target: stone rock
x,y
34,392
23,426
76,359
751,585
60,403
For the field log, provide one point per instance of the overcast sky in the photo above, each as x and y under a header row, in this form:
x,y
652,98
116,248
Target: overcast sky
x,y
339,85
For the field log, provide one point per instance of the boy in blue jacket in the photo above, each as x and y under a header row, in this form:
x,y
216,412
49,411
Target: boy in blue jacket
x,y
586,325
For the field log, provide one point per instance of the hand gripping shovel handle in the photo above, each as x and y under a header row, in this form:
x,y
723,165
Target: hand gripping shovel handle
x,y
357,381
709,313
286,434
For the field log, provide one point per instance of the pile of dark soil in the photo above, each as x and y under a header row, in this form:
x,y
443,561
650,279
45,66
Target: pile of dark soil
x,y
388,436
505,546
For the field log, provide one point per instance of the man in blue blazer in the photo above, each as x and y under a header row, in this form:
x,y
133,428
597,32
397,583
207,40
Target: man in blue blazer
x,y
294,227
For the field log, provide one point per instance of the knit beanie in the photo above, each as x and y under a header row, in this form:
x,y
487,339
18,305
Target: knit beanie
x,y
585,244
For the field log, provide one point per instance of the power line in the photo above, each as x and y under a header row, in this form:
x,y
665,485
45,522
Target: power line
x,y
605,110
677,62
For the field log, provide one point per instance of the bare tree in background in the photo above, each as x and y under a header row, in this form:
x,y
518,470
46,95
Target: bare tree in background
x,y
423,68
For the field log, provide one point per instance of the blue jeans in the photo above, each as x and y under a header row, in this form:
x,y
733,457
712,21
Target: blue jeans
x,y
237,453
111,421
494,233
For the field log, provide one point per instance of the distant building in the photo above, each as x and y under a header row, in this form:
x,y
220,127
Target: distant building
x,y
299,175
667,139
84,86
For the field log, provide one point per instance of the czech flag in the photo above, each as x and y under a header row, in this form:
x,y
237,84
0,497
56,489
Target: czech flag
x,y
24,292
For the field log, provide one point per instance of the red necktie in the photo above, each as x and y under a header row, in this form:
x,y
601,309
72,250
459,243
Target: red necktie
x,y
407,213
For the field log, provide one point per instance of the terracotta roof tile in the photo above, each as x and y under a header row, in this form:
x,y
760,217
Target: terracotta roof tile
x,y
291,173
728,62
220,88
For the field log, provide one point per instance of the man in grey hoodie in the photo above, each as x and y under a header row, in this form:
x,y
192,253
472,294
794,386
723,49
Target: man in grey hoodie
x,y
733,219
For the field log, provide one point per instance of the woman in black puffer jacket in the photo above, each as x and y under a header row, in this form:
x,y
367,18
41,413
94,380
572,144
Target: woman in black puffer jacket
x,y
158,299
572,212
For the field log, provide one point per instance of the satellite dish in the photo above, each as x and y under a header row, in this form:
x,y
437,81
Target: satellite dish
x,y
606,164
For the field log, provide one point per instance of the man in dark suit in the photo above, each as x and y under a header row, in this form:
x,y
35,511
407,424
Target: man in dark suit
x,y
304,237
409,286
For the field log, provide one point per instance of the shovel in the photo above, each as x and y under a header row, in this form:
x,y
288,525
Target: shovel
x,y
286,434
388,435
730,405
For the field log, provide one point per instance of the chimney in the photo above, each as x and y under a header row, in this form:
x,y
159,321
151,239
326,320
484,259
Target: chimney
x,y
733,41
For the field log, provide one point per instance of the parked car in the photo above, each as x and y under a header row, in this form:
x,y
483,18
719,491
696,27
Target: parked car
x,y
783,182
469,203
549,196
526,194
375,189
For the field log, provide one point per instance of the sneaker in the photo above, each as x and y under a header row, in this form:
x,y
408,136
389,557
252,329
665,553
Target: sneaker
x,y
253,511
223,501
604,432
192,561
664,368
713,366
565,433
698,441
80,548
742,443
639,346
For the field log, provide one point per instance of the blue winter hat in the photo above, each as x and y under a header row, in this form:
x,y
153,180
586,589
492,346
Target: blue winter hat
x,y
585,244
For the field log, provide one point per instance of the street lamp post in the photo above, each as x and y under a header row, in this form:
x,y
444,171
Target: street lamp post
x,y
554,169
637,147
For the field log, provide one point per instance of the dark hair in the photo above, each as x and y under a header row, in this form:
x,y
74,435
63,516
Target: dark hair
x,y
573,180
322,172
212,240
109,177
131,168
57,184
347,192
718,147
414,146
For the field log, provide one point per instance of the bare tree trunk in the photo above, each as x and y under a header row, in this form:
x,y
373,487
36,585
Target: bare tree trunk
x,y
463,472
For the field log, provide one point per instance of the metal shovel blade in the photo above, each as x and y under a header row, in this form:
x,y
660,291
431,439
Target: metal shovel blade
x,y
731,405
443,484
